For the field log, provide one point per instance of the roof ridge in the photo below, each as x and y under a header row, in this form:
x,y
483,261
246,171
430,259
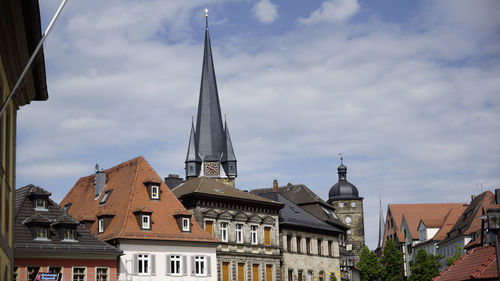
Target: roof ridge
x,y
127,211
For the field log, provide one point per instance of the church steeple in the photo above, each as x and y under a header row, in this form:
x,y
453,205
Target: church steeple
x,y
212,147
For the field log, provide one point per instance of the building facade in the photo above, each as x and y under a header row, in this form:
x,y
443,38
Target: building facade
x,y
20,32
310,247
48,240
131,208
344,197
246,225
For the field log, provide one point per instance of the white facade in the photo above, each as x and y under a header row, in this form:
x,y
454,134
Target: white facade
x,y
155,260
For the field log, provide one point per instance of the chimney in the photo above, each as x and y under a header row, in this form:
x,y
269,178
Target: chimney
x,y
275,185
100,180
173,180
497,196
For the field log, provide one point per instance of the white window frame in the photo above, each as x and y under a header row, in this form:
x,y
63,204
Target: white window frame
x,y
353,204
155,195
107,272
341,205
174,259
239,233
146,224
200,264
186,224
145,259
44,230
224,231
254,237
71,230
84,272
100,223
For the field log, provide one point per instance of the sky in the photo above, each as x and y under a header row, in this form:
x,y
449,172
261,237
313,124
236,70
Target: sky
x,y
408,91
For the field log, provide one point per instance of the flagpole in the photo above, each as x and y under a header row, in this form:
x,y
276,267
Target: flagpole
x,y
33,56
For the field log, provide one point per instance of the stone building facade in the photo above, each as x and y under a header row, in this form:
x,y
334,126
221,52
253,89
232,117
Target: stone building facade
x,y
344,197
247,226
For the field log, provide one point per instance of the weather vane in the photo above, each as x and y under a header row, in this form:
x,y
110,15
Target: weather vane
x,y
206,12
341,154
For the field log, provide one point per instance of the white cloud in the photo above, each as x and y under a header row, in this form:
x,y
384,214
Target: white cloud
x,y
332,11
265,11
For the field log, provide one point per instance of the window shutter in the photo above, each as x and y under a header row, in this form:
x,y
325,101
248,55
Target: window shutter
x,y
193,266
208,266
184,266
153,264
135,264
168,265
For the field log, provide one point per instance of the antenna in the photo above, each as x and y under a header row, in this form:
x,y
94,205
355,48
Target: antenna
x,y
96,168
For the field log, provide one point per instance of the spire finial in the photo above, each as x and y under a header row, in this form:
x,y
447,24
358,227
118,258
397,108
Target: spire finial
x,y
341,154
206,18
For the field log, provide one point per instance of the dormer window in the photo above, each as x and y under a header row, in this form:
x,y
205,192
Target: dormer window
x,y
41,204
146,222
155,192
66,207
101,225
41,233
186,224
69,234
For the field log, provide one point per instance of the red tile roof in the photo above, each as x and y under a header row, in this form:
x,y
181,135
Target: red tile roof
x,y
433,214
130,194
477,264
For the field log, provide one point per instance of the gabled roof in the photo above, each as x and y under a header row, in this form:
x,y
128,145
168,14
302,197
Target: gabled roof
x,y
301,195
469,222
477,264
293,215
413,213
130,194
445,223
212,187
53,218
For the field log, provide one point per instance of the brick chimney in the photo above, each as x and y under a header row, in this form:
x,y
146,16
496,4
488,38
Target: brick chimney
x,y
275,185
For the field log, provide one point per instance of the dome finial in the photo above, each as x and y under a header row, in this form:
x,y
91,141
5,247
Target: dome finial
x,y
206,18
341,154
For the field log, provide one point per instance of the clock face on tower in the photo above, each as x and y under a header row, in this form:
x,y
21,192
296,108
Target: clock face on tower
x,y
212,168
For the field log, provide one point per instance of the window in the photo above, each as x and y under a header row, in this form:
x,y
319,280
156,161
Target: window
x,y
267,236
155,192
69,234
199,265
353,204
186,224
105,196
209,226
101,274
239,233
41,233
253,234
32,272
299,275
330,248
289,243
40,204
255,272
223,231
290,275
308,245
349,232
146,222
15,273
101,225
298,244
319,246
341,205
175,265
143,264
78,273
56,270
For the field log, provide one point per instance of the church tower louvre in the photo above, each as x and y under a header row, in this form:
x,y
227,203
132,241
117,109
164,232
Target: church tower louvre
x,y
210,150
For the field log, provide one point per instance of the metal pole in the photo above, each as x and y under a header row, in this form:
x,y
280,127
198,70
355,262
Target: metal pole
x,y
33,56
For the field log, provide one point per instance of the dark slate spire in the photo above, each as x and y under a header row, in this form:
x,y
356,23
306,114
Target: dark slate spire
x,y
209,141
209,131
229,159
